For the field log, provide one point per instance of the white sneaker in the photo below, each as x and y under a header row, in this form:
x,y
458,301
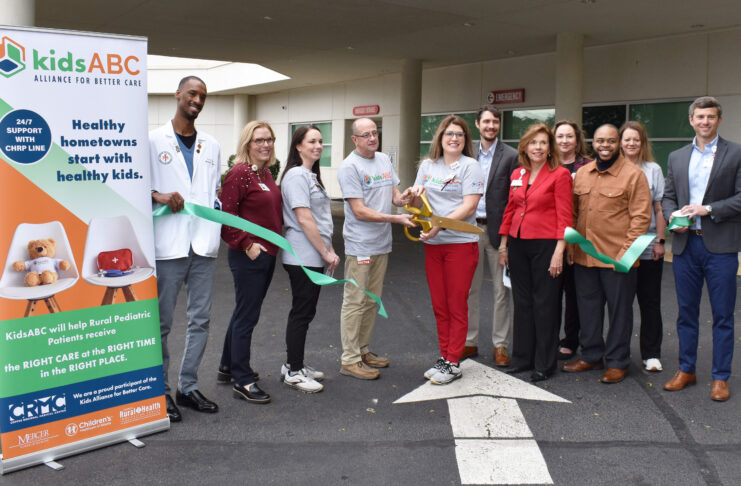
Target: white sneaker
x,y
652,364
448,373
308,371
435,368
300,381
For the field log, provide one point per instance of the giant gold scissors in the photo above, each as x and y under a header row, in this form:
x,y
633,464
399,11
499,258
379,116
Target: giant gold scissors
x,y
425,218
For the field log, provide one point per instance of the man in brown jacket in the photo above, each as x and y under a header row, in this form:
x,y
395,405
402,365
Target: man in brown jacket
x,y
612,207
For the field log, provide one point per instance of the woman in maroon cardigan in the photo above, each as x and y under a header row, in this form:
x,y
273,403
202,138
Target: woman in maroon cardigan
x,y
250,193
538,212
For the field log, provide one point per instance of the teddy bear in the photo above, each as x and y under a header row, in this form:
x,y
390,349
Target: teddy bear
x,y
42,266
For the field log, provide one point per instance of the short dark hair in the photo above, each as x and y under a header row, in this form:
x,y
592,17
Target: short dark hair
x,y
490,108
706,102
188,78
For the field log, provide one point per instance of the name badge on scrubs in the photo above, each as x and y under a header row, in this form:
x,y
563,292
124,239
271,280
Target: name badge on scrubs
x,y
363,260
263,187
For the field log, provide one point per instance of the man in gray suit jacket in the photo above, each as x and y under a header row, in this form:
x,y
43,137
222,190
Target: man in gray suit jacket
x,y
704,182
497,161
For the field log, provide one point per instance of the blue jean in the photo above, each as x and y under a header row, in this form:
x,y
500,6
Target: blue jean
x,y
197,273
719,271
251,281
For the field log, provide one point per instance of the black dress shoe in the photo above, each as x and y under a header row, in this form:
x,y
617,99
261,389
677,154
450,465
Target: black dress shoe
x,y
172,410
251,393
197,401
224,375
516,369
538,376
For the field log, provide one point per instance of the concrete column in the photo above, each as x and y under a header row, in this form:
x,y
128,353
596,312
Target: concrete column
x,y
244,111
569,76
410,112
18,12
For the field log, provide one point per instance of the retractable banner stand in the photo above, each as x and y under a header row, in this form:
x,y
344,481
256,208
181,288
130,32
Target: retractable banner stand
x,y
80,353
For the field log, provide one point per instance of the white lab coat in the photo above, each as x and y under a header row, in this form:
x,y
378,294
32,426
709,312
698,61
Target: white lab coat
x,y
175,234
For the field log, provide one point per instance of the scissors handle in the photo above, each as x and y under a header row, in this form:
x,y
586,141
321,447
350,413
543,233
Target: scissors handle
x,y
421,216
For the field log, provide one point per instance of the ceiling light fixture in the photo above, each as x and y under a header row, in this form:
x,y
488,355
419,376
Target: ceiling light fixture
x,y
267,17
468,24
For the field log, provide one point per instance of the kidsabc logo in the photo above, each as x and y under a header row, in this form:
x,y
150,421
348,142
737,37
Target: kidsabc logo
x,y
12,57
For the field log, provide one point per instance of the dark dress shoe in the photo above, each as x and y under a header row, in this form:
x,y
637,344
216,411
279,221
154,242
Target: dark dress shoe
x,y
197,401
579,365
516,369
224,375
538,376
251,393
172,410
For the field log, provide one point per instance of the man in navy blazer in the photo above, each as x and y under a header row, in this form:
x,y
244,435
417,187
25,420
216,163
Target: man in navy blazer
x,y
497,161
704,182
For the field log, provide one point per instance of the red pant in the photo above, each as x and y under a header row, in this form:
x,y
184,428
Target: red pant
x,y
450,270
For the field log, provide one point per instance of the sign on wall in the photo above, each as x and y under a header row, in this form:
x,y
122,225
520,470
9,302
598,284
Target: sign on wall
x,y
506,96
80,352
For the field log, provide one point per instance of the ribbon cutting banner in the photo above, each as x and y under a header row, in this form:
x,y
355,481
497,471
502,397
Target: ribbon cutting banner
x,y
236,222
625,263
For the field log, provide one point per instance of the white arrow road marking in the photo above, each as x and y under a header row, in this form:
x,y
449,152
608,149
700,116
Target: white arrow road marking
x,y
493,444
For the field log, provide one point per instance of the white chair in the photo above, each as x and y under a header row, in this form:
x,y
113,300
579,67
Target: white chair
x,y
12,285
109,234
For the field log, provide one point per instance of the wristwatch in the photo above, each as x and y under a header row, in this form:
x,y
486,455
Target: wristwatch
x,y
708,208
662,241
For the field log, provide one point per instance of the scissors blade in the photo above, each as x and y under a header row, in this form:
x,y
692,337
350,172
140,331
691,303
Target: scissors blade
x,y
455,225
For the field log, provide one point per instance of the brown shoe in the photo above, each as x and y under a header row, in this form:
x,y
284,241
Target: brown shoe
x,y
680,380
501,358
720,392
372,359
613,375
579,365
469,352
359,370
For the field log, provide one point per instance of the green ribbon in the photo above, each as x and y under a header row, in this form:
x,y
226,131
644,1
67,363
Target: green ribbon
x,y
625,263
679,222
236,222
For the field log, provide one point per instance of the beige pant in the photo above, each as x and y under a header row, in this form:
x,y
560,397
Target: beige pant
x,y
358,314
501,318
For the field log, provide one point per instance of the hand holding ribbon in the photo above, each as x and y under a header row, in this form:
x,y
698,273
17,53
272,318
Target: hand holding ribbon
x,y
625,263
235,221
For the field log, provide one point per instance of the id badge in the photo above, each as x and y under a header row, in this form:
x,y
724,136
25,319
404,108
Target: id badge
x,y
363,260
516,183
264,187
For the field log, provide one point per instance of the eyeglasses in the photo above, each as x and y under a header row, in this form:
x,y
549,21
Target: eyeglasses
x,y
264,141
374,133
450,133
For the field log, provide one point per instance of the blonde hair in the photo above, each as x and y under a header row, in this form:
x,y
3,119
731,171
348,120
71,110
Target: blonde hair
x,y
243,147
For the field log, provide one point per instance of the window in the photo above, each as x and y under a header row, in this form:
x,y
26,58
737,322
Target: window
x,y
326,130
429,124
515,122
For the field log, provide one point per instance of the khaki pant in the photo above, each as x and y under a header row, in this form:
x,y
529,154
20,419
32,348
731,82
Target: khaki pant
x,y
501,329
358,314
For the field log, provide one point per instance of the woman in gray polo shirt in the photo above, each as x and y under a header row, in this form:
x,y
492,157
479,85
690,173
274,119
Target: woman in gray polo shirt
x,y
454,183
307,221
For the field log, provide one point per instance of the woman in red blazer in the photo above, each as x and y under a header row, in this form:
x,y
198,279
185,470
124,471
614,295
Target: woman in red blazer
x,y
532,244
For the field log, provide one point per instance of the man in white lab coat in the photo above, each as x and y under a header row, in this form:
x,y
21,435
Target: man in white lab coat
x,y
185,167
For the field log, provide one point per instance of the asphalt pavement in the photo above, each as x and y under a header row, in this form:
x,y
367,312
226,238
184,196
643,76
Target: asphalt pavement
x,y
352,432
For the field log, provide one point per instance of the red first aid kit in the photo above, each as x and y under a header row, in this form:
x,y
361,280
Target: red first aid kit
x,y
115,260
